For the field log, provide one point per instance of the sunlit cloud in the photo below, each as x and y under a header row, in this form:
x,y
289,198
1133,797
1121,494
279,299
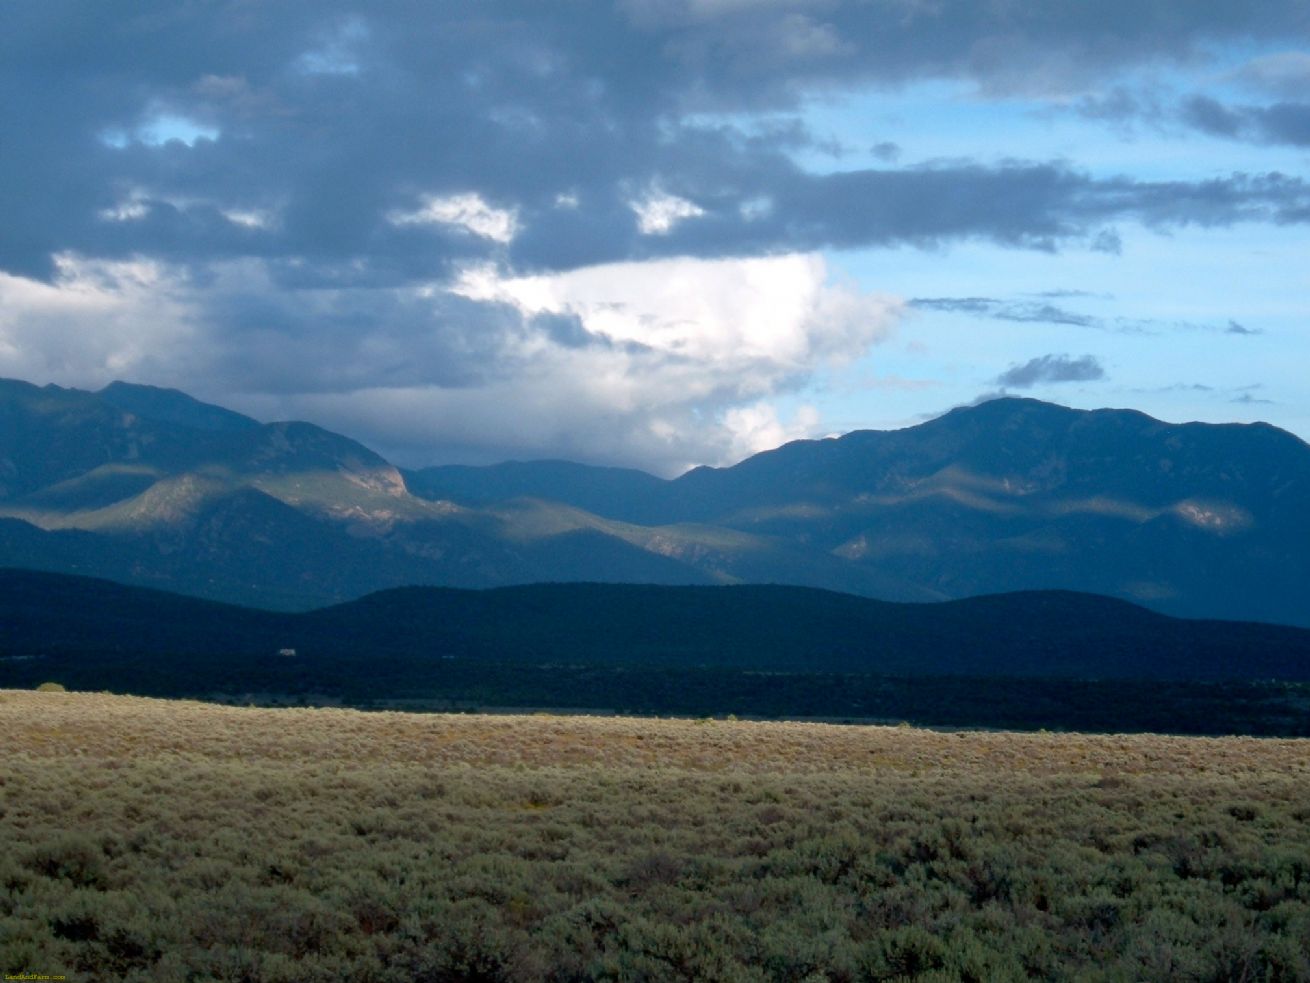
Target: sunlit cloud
x,y
658,213
468,211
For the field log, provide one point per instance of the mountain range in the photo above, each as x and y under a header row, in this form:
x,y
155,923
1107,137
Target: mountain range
x,y
151,487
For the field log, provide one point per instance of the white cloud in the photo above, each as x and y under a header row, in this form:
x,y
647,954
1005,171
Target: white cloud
x,y
130,209
137,205
781,311
469,211
97,321
661,365
686,354
249,218
758,427
658,213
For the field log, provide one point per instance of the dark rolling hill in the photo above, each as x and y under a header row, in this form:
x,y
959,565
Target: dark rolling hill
x,y
151,487
757,628
769,627
1026,660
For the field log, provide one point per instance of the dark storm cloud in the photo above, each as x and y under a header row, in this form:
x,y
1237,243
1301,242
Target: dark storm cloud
x,y
737,50
325,120
1286,122
1051,368
1120,105
1282,122
1018,204
1210,117
273,199
340,340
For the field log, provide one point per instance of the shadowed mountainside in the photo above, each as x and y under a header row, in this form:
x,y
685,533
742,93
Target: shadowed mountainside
x,y
758,628
1026,661
151,487
1013,494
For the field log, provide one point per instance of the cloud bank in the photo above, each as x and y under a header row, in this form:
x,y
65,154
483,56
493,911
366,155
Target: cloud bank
x,y
536,229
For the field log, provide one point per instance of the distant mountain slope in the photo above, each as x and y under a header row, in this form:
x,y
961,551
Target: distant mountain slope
x,y
1193,519
152,487
613,493
1010,454
754,628
172,406
1014,494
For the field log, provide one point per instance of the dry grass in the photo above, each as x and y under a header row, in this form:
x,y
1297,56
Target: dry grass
x,y
107,726
145,839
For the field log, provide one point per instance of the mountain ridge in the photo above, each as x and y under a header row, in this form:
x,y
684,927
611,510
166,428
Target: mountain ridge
x,y
1011,494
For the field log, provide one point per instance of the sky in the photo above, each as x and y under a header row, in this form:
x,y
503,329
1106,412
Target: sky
x,y
658,233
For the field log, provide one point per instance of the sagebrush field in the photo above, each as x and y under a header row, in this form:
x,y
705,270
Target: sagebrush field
x,y
153,840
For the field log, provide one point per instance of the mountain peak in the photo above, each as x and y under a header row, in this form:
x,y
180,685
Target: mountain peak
x,y
173,406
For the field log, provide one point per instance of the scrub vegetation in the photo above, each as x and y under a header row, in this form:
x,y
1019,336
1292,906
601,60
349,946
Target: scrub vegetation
x,y
152,840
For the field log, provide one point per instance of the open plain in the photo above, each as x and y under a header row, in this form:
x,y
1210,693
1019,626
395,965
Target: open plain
x,y
157,840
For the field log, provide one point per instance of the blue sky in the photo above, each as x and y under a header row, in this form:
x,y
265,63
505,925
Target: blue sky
x,y
659,232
